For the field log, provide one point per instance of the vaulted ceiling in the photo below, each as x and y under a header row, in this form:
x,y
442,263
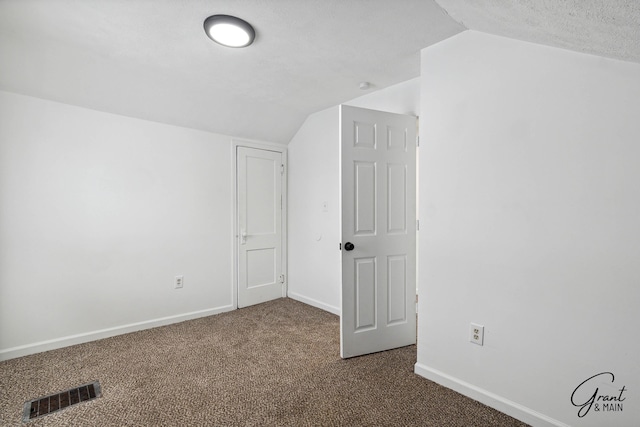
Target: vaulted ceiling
x,y
150,59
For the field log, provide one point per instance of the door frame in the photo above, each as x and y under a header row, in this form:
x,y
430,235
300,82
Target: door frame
x,y
235,232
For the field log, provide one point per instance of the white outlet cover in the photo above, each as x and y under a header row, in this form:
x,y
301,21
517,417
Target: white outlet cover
x,y
179,282
476,334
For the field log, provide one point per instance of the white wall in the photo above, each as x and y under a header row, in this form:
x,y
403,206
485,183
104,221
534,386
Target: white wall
x,y
313,234
315,262
98,213
530,205
402,98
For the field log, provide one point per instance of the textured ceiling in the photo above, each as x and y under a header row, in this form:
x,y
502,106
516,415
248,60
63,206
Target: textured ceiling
x,y
609,28
151,59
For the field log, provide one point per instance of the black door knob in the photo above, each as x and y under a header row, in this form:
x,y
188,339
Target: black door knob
x,y
348,246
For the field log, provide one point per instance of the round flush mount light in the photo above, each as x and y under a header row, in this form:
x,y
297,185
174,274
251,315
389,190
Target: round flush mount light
x,y
229,31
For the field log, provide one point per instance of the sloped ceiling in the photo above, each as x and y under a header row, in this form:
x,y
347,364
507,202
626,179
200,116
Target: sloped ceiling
x,y
609,28
151,59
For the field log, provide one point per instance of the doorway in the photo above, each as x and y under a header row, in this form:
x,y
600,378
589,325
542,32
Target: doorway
x,y
260,223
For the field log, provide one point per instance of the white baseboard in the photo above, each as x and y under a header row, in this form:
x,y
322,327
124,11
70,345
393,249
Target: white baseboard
x,y
314,303
38,347
506,406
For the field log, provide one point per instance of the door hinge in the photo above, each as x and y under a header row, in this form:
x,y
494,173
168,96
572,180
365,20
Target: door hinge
x,y
281,169
340,246
417,225
417,141
282,278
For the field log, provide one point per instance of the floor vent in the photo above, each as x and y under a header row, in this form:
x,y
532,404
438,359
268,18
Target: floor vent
x,y
55,402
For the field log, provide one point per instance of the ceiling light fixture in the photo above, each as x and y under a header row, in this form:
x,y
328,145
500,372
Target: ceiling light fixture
x,y
229,31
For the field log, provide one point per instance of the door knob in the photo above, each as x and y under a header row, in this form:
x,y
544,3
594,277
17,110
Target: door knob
x,y
348,246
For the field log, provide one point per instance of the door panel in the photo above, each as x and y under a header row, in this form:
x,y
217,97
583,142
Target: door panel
x,y
397,290
261,267
365,287
364,134
261,194
396,198
259,225
365,195
379,218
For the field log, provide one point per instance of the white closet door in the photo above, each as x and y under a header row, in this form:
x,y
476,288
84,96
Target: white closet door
x,y
259,183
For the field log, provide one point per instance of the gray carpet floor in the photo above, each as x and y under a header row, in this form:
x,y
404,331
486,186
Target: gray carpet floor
x,y
273,364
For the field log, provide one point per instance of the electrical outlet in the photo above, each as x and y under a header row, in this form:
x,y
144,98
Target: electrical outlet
x,y
179,282
476,334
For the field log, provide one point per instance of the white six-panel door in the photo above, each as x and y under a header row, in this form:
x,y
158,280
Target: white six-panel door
x,y
379,221
259,194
